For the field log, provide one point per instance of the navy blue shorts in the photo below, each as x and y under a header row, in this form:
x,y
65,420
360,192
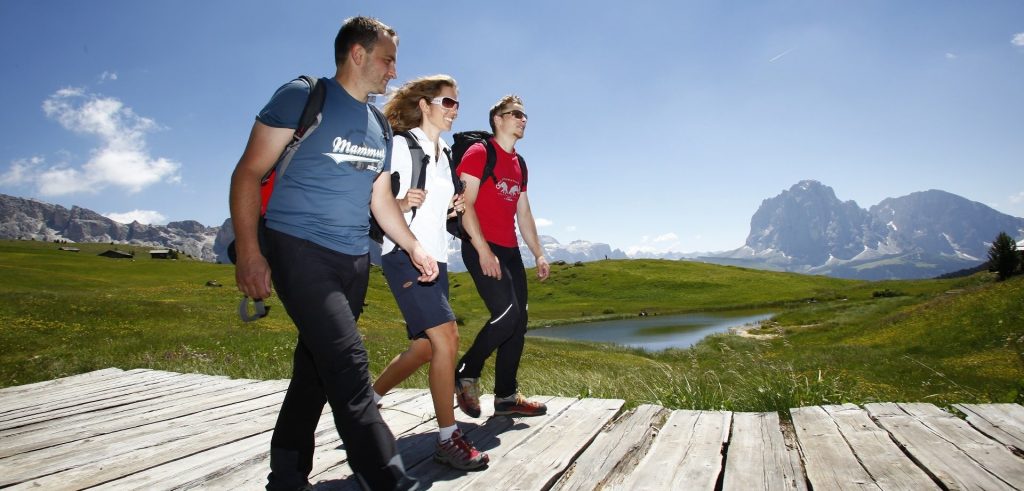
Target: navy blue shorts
x,y
424,305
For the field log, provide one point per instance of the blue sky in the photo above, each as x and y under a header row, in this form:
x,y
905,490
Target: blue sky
x,y
654,126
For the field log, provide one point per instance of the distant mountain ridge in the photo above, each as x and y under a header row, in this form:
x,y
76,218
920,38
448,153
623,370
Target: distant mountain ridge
x,y
22,218
807,229
804,229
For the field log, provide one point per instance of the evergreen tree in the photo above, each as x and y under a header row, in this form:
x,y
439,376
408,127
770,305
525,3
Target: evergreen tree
x,y
1003,257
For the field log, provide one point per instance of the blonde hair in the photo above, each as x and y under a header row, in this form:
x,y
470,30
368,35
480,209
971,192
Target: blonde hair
x,y
403,109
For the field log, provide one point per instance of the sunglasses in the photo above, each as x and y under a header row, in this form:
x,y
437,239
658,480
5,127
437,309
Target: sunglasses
x,y
516,114
445,102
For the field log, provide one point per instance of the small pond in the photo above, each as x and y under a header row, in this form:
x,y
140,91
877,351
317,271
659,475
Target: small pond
x,y
653,332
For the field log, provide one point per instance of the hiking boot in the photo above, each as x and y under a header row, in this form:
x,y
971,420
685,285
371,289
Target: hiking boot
x,y
467,393
518,405
460,453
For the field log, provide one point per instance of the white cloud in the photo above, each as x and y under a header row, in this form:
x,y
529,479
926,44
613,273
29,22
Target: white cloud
x,y
21,171
1018,39
105,76
570,228
120,160
666,237
1017,198
950,56
148,217
543,222
663,243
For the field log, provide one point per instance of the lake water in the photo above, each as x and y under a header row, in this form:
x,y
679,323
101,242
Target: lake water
x,y
652,333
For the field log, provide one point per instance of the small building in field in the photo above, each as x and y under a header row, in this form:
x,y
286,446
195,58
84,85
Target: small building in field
x,y
163,254
68,249
117,254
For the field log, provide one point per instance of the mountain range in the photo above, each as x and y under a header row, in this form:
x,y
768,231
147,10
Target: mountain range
x,y
807,229
804,229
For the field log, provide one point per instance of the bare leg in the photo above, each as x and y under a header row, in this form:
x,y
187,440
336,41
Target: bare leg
x,y
444,342
404,365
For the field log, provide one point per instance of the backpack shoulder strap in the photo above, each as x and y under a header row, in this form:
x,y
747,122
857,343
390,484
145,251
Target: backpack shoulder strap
x,y
522,168
382,121
309,120
492,161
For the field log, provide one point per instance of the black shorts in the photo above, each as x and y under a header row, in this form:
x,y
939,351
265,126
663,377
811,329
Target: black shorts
x,y
424,305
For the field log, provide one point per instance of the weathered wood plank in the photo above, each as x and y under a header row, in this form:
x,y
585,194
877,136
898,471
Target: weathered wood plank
x,y
758,457
538,461
940,457
47,401
52,415
402,410
89,462
828,460
616,451
498,435
876,451
96,423
58,382
1001,422
686,454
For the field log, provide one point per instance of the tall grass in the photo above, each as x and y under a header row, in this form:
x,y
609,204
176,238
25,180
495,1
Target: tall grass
x,y
940,341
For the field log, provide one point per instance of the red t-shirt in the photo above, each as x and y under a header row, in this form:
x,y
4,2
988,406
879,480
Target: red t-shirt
x,y
497,199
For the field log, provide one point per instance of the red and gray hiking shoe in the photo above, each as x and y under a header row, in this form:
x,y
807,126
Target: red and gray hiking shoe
x,y
517,405
467,393
460,453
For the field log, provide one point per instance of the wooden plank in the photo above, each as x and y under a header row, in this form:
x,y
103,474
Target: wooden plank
x,y
89,462
402,410
988,453
71,397
498,435
616,451
876,451
758,457
686,454
58,382
93,424
935,453
828,460
538,461
1001,422
51,413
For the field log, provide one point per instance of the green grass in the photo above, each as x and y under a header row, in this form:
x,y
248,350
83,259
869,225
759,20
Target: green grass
x,y
940,341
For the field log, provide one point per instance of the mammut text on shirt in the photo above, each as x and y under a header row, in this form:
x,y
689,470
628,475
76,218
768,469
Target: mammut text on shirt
x,y
324,196
498,197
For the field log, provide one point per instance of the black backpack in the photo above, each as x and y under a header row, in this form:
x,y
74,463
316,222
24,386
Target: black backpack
x,y
309,121
418,180
461,142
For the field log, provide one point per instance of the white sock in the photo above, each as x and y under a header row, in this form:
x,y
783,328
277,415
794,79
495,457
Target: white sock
x,y
377,397
446,433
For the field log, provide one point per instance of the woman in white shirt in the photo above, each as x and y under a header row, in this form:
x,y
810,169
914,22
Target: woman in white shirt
x,y
419,112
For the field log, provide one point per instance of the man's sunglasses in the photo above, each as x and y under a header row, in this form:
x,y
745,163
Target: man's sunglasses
x,y
516,114
445,102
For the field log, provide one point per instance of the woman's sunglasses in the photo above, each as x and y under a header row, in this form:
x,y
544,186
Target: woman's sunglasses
x,y
445,102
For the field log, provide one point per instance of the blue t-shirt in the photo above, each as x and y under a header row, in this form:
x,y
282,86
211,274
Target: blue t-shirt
x,y
324,196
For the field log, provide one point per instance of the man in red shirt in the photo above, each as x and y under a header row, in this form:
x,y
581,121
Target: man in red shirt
x,y
491,254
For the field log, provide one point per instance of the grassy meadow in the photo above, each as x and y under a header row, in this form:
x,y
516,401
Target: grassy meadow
x,y
832,341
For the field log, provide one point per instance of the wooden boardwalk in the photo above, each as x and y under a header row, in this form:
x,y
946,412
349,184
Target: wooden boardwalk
x,y
146,429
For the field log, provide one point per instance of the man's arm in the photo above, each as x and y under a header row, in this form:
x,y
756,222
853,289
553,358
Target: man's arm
x,y
385,209
252,274
528,229
471,224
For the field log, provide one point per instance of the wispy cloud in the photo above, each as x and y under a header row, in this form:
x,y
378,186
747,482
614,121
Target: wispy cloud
x,y
1018,39
120,160
668,242
780,55
543,222
148,217
108,76
951,56
1017,198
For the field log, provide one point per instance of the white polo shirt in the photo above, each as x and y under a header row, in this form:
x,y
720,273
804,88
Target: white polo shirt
x,y
429,224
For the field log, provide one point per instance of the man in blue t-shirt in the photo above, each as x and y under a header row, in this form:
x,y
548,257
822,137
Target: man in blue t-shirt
x,y
317,240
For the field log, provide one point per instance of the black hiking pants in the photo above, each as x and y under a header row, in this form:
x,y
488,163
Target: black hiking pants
x,y
505,331
323,292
